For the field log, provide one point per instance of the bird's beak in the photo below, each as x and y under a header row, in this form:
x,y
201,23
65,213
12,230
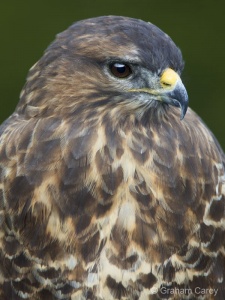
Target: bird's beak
x,y
173,91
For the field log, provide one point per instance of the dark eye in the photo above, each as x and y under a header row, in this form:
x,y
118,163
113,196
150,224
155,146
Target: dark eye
x,y
120,70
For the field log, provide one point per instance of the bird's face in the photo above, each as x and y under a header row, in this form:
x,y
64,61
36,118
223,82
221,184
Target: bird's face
x,y
142,86
109,62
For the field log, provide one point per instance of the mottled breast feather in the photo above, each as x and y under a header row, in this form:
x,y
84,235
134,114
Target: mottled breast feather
x,y
101,200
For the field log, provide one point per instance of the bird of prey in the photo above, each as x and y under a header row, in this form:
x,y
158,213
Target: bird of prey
x,y
110,188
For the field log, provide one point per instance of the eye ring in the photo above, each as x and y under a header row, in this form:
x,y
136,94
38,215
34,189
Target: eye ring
x,y
120,70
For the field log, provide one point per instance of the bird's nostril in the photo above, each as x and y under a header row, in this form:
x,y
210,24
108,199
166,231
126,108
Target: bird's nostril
x,y
169,78
166,84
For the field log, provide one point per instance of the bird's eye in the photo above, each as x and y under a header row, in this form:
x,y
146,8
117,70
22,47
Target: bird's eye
x,y
120,70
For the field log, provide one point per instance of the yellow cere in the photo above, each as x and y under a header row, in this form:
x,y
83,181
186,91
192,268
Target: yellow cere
x,y
169,78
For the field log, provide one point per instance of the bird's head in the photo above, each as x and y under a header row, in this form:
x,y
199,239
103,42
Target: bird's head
x,y
107,62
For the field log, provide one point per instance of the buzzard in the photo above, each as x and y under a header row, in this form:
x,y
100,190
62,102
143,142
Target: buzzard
x,y
110,188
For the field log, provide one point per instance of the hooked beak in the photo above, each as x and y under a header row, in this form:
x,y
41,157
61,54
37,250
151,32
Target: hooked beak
x,y
174,92
171,91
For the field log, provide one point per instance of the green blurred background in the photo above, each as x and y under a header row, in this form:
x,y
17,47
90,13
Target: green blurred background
x,y
196,26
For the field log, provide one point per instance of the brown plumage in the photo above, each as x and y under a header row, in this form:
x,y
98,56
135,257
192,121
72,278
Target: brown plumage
x,y
105,192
